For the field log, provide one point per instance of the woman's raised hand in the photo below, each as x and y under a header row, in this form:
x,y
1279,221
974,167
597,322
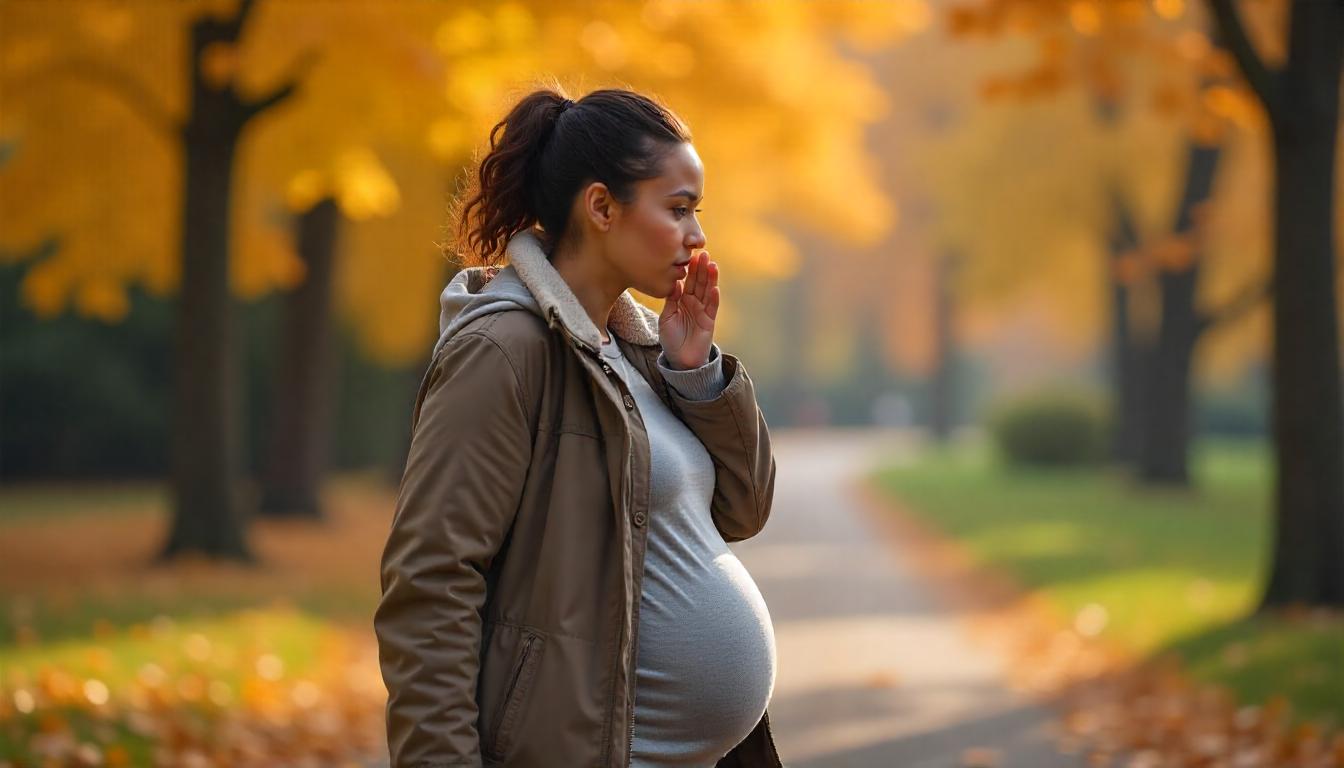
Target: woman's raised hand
x,y
686,324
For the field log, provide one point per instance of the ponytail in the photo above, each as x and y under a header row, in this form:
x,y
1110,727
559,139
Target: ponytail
x,y
545,149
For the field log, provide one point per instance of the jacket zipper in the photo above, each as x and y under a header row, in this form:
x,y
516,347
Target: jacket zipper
x,y
630,745
553,320
634,647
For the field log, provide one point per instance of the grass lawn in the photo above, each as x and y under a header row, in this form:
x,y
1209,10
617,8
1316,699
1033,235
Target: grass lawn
x,y
1173,571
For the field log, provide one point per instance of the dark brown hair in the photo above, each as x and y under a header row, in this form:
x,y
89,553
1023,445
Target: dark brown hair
x,y
548,148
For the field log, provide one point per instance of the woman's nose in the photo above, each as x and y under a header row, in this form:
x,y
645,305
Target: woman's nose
x,y
696,239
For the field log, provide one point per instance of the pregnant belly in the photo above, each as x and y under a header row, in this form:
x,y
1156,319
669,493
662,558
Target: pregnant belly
x,y
706,664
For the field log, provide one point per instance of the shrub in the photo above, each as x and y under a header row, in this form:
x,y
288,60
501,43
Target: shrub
x,y
1051,428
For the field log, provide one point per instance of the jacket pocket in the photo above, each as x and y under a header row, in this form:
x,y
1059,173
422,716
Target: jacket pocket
x,y
512,704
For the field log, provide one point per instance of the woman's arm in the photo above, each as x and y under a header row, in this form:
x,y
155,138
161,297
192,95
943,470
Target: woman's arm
x,y
469,454
718,402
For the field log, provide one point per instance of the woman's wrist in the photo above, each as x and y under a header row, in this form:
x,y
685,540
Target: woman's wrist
x,y
704,382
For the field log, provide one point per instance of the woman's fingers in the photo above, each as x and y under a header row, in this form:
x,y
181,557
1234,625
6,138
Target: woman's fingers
x,y
701,275
698,291
670,303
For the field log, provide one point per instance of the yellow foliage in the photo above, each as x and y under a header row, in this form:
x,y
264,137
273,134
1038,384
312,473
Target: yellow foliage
x,y
1236,105
1174,253
1169,9
1155,63
1170,99
391,101
1085,17
45,288
104,300
364,188
1193,45
306,189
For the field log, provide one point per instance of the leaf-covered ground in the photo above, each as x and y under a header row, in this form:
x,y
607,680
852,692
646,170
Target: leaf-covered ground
x,y
107,659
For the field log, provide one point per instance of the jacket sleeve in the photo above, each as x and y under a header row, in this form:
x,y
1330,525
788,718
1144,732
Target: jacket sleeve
x,y
732,428
470,450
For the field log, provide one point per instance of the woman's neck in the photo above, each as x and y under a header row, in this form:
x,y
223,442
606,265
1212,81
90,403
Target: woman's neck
x,y
591,279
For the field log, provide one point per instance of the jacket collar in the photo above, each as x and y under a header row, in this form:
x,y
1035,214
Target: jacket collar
x,y
629,319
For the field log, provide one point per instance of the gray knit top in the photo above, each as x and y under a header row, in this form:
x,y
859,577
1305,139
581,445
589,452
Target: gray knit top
x,y
706,659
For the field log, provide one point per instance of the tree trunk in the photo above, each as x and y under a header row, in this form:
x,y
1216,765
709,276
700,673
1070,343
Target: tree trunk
x,y
943,394
1165,435
1308,404
1126,411
208,504
208,512
301,407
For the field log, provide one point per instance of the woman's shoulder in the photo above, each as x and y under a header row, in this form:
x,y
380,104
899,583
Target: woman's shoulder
x,y
516,330
519,334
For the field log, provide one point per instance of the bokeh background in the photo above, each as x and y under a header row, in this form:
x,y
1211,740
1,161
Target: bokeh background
x,y
1028,244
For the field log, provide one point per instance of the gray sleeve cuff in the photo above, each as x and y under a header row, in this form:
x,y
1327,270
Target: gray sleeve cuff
x,y
703,383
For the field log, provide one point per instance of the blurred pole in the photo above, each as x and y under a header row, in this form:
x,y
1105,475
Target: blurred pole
x,y
795,322
943,387
301,406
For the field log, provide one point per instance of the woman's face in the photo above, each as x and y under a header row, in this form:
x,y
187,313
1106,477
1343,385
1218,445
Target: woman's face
x,y
657,230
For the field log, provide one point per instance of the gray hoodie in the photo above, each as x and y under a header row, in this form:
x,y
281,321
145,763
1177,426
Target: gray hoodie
x,y
531,282
459,306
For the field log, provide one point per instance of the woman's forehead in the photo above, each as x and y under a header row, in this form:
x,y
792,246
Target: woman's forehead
x,y
681,173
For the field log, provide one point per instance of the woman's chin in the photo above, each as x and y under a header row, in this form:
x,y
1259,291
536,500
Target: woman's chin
x,y
658,290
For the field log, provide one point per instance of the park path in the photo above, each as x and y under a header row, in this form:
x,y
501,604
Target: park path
x,y
873,671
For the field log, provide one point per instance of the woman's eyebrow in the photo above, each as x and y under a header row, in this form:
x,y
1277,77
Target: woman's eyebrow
x,y
686,193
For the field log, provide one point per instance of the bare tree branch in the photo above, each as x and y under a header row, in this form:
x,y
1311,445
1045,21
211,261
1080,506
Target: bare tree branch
x,y
1232,31
127,88
301,68
232,29
1245,301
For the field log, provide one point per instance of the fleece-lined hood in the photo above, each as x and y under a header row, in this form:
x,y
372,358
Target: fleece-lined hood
x,y
530,282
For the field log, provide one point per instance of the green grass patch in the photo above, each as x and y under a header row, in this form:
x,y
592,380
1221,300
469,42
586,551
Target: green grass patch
x,y
1174,570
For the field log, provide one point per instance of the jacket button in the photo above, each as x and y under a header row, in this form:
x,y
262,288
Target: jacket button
x,y
629,402
639,518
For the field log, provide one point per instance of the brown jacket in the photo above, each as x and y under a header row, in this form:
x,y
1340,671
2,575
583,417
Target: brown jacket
x,y
512,574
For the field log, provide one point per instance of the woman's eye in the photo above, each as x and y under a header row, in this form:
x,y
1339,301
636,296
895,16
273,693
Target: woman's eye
x,y
682,211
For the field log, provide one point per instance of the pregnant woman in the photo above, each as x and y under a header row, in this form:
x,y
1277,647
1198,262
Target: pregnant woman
x,y
557,586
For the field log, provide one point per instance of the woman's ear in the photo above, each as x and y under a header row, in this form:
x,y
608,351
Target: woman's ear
x,y
599,206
